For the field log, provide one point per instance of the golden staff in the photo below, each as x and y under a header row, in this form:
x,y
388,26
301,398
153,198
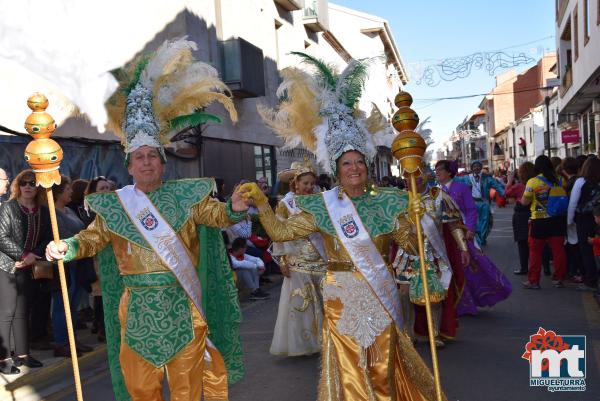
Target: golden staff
x,y
409,147
44,156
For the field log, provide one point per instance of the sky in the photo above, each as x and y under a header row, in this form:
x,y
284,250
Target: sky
x,y
427,31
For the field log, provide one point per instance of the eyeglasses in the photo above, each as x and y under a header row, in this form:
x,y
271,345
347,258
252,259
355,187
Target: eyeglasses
x,y
25,183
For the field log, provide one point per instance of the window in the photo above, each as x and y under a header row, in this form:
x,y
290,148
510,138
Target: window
x,y
263,162
575,33
530,135
586,21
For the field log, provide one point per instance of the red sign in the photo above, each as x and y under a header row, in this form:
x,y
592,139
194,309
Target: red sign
x,y
570,136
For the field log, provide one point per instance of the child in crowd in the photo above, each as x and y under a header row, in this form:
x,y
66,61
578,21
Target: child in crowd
x,y
248,268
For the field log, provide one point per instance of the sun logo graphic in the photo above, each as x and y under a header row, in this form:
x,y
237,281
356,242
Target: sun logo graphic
x,y
556,361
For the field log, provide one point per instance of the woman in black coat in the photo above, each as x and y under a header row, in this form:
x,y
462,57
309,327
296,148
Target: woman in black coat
x,y
24,232
586,195
520,219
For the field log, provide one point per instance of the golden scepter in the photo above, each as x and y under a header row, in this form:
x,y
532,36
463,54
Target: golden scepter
x,y
409,147
44,156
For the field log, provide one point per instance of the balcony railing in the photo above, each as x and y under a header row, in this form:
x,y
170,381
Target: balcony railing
x,y
316,15
566,81
291,5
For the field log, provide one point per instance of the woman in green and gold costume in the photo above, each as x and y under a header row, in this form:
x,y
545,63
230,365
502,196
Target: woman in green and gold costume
x,y
365,354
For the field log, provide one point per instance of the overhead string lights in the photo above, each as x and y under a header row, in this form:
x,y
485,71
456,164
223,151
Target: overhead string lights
x,y
453,68
432,73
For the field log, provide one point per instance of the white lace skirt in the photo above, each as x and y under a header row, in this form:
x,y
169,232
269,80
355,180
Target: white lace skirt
x,y
300,316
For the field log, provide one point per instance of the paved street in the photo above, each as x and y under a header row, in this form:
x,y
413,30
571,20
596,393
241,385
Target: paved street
x,y
483,365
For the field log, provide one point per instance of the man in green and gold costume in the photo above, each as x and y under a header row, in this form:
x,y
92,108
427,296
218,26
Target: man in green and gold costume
x,y
164,270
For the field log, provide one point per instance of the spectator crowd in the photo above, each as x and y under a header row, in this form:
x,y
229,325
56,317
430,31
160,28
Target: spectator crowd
x,y
556,225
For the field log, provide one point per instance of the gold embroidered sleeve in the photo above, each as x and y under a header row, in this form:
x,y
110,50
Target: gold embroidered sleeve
x,y
89,241
279,248
211,212
405,235
297,226
282,211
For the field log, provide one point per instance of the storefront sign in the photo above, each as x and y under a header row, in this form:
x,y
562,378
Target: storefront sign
x,y
570,136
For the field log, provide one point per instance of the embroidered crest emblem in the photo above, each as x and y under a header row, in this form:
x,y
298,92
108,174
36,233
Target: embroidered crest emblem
x,y
349,226
148,220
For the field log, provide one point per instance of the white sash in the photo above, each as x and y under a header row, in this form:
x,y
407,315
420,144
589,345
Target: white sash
x,y
165,243
432,231
315,239
476,187
365,256
290,203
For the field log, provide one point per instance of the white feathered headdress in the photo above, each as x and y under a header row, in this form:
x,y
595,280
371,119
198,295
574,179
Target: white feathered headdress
x,y
163,93
319,111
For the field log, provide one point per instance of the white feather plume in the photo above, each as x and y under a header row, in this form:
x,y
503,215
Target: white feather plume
x,y
424,132
322,153
165,55
193,74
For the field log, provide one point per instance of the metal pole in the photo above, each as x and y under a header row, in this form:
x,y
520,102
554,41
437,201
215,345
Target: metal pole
x,y
547,131
422,269
65,296
514,148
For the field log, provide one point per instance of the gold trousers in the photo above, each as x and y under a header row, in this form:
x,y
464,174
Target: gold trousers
x,y
189,375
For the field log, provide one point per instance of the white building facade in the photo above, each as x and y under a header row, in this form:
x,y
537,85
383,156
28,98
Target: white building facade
x,y
578,47
249,42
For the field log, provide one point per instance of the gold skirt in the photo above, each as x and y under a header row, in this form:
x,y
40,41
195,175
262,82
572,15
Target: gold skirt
x,y
389,370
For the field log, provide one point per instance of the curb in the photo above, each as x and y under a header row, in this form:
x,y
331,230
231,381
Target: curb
x,y
55,381
43,383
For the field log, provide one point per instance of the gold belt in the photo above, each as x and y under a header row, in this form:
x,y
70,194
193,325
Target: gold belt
x,y
341,266
318,268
